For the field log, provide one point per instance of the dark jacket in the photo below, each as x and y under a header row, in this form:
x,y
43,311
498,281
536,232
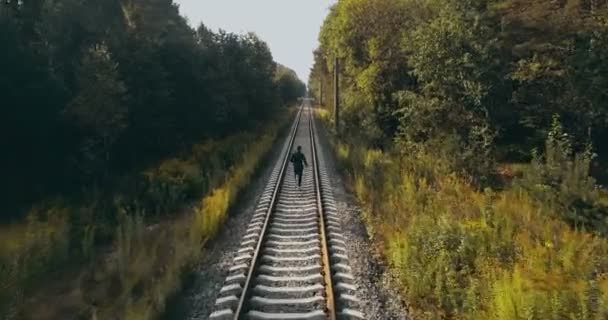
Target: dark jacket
x,y
298,160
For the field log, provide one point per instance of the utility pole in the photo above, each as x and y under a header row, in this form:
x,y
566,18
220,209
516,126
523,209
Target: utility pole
x,y
321,91
337,95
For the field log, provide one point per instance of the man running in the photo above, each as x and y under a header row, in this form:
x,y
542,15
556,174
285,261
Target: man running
x,y
298,159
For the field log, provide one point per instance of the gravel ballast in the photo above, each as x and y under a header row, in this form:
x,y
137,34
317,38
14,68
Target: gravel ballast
x,y
203,286
377,290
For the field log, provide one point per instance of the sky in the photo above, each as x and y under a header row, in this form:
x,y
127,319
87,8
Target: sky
x,y
290,27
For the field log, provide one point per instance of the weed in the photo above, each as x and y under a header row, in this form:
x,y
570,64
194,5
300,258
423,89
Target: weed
x,y
465,253
142,266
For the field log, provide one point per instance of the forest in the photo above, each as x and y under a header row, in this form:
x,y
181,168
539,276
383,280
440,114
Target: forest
x,y
116,116
474,134
93,89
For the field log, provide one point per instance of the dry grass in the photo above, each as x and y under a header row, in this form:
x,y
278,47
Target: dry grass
x,y
133,277
461,253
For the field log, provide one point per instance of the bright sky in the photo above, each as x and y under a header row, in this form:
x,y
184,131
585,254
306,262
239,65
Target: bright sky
x,y
290,27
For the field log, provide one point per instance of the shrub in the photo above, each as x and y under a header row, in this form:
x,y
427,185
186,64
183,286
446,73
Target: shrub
x,y
132,263
172,183
561,177
29,251
462,253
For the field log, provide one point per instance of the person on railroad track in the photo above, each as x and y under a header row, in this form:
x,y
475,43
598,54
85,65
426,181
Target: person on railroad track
x,y
299,160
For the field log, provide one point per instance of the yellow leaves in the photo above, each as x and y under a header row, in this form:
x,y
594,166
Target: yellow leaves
x,y
323,114
366,80
508,297
538,67
360,187
212,210
603,286
373,157
474,225
343,151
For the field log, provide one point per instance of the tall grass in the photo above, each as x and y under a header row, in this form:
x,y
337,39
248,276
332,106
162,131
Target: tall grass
x,y
148,248
29,249
156,271
464,253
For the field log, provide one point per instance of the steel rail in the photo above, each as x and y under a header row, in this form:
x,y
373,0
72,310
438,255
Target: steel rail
x,y
327,276
255,260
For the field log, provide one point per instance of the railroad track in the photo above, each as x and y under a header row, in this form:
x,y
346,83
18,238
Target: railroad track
x,y
292,262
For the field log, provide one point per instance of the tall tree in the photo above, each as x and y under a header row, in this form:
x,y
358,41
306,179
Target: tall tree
x,y
120,83
98,108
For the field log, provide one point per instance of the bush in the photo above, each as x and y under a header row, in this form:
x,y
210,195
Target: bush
x,y
172,183
461,253
130,261
29,251
561,177
148,262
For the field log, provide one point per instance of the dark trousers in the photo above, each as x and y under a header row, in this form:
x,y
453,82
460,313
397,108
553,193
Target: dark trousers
x,y
298,173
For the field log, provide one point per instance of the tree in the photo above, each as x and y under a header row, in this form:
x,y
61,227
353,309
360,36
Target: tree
x,y
98,108
290,87
366,36
32,96
483,71
114,86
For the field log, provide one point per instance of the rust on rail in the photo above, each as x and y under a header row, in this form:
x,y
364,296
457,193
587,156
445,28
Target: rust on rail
x,y
329,291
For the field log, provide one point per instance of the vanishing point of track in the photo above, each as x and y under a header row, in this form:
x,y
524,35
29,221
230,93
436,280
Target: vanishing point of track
x,y
292,262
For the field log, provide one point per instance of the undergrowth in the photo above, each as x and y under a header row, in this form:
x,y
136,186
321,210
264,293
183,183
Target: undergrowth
x,y
465,253
131,247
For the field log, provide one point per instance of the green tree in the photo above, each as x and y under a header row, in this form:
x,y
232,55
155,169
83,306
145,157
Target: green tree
x,y
164,87
489,73
289,85
99,108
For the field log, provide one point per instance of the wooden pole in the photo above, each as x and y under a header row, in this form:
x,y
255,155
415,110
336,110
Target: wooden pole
x,y
321,91
337,95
